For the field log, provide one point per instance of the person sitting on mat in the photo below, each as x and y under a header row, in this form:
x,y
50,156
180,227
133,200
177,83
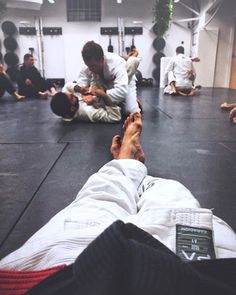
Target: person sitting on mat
x,y
6,85
232,108
30,82
180,75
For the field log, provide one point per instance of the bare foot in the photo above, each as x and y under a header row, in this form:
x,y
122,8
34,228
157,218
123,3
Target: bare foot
x,y
227,106
131,146
18,96
179,92
115,146
224,106
172,89
192,93
43,94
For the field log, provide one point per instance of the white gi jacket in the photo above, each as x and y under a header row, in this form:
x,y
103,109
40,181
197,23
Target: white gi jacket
x,y
177,70
97,113
115,82
121,190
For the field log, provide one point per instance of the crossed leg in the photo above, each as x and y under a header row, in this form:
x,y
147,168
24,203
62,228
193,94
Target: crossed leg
x,y
130,146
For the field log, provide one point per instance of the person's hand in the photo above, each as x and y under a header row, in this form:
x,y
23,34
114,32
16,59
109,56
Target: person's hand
x,y
28,82
81,89
190,75
195,59
88,99
99,92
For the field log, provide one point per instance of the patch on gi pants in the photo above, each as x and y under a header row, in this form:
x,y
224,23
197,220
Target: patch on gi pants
x,y
194,243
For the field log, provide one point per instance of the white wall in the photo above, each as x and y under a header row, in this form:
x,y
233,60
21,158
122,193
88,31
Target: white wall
x,y
62,54
224,20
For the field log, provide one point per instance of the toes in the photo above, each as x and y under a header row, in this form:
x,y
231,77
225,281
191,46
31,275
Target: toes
x,y
115,145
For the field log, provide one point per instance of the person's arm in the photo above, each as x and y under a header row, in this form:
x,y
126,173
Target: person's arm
x,y
109,114
85,77
120,84
68,87
21,76
193,71
100,93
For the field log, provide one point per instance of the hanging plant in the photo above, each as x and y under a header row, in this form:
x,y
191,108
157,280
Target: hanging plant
x,y
162,15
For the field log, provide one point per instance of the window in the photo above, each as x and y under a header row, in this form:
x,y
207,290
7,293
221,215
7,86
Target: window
x,y
83,10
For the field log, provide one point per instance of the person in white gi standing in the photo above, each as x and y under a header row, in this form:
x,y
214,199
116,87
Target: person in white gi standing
x,y
109,71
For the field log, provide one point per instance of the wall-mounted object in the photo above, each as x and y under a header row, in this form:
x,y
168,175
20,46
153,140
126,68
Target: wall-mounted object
x,y
11,59
133,30
159,43
27,30
109,30
157,58
52,31
9,28
10,43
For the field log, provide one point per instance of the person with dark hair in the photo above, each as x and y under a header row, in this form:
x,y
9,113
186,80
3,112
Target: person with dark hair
x,y
90,103
126,233
180,49
6,85
180,75
30,82
93,105
109,70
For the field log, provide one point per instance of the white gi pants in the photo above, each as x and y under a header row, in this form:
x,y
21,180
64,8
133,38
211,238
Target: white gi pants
x,y
122,190
131,104
180,82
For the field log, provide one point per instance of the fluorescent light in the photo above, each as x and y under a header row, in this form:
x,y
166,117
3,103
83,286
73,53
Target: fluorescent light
x,y
119,1
51,1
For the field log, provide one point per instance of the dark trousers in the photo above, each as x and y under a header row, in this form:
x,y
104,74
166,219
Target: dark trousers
x,y
33,89
6,85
